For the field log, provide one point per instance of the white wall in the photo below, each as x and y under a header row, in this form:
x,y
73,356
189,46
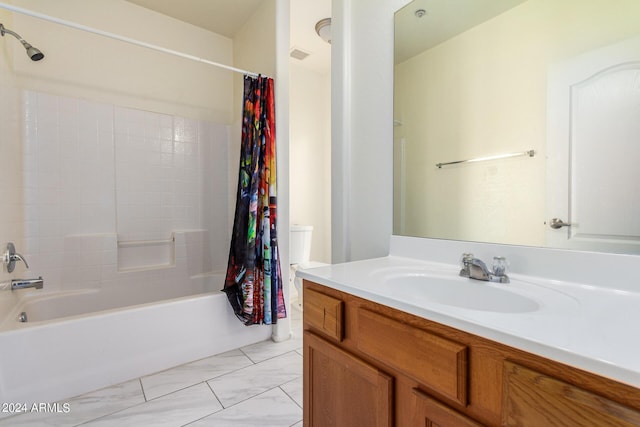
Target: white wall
x,y
362,127
310,165
11,180
85,65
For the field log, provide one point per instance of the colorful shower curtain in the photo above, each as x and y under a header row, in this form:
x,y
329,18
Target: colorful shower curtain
x,y
253,283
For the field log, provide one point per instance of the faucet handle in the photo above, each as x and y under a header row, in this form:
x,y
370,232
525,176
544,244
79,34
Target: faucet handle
x,y
11,256
500,266
465,264
466,258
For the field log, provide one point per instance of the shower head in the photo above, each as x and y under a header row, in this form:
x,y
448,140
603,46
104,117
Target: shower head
x,y
33,52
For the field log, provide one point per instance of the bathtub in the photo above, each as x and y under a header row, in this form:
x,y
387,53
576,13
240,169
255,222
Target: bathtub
x,y
77,341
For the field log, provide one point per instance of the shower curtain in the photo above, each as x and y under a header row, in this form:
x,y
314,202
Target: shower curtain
x,y
253,283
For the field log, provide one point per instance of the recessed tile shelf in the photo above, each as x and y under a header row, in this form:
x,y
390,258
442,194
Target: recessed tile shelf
x,y
146,254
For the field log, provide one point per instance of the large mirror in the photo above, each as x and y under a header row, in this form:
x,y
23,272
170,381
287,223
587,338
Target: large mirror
x,y
518,122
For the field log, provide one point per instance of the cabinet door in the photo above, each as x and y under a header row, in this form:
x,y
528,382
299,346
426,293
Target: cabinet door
x,y
431,413
342,390
534,399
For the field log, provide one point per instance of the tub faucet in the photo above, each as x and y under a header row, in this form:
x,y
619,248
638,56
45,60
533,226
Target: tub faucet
x,y
11,257
475,268
27,283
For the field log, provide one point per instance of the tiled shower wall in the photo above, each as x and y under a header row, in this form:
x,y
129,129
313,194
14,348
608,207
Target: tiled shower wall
x,y
98,177
157,174
11,219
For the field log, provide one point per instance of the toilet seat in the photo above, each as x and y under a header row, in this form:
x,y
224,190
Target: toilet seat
x,y
297,281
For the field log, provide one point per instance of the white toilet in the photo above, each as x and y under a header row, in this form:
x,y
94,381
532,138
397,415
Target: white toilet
x,y
299,257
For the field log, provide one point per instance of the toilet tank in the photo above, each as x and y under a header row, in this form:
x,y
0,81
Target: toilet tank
x,y
299,243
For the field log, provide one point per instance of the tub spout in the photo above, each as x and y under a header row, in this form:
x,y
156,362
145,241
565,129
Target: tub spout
x,y
27,283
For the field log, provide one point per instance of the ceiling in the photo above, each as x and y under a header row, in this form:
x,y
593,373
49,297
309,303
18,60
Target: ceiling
x,y
225,17
443,19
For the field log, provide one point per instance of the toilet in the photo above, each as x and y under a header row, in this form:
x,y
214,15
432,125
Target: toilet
x,y
299,257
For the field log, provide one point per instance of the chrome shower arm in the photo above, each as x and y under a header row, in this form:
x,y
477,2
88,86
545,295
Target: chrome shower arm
x,y
33,52
3,30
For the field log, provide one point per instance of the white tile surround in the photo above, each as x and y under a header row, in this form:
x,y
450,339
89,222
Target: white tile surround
x,y
96,175
257,385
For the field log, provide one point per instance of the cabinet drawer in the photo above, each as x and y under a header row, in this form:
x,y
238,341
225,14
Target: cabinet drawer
x,y
535,399
430,412
324,313
436,362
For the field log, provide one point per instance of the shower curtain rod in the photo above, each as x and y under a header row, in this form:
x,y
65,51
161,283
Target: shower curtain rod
x,y
122,38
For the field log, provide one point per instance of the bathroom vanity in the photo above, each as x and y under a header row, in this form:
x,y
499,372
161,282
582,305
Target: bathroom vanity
x,y
375,356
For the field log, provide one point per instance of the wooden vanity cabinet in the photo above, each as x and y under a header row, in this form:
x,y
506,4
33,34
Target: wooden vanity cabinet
x,y
533,398
429,412
341,389
367,364
346,391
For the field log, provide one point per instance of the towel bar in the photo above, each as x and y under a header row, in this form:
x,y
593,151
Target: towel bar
x,y
529,153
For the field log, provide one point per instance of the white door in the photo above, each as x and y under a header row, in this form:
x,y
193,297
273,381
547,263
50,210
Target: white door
x,y
593,148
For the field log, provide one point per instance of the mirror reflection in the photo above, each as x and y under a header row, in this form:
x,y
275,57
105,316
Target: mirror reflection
x,y
544,97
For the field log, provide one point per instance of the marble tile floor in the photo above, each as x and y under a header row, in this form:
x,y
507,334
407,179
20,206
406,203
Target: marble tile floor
x,y
257,385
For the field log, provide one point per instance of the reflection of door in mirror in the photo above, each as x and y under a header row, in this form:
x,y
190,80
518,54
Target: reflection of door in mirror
x,y
593,149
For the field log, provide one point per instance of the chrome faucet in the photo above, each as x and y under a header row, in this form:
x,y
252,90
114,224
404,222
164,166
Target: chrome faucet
x,y
27,283
475,268
11,257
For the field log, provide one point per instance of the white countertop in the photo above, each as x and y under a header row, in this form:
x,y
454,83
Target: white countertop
x,y
589,327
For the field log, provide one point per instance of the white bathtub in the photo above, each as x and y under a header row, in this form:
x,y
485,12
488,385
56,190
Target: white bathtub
x,y
79,341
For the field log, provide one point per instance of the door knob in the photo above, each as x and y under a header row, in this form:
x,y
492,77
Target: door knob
x,y
558,223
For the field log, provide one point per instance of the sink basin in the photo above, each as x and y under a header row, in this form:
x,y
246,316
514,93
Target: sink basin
x,y
458,292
